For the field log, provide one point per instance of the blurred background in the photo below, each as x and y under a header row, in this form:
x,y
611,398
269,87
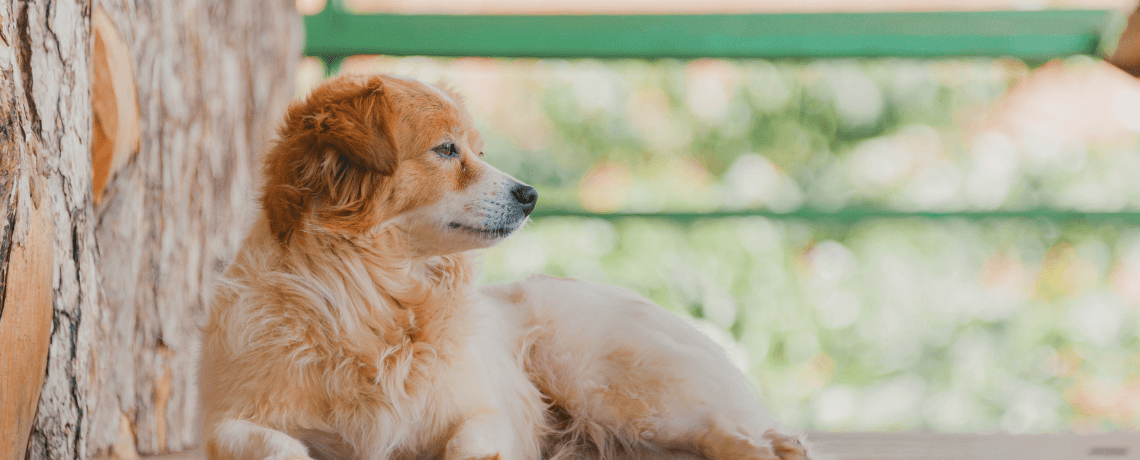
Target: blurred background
x,y
990,304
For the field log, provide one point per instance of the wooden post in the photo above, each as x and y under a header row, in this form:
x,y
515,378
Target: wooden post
x,y
1127,53
47,231
128,144
211,78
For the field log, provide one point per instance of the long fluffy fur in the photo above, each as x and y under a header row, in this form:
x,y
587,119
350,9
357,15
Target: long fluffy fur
x,y
348,326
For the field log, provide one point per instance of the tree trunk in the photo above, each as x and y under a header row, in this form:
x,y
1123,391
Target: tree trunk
x,y
1126,56
128,147
49,225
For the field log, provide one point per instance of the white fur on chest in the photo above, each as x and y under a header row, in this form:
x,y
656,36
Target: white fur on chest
x,y
480,375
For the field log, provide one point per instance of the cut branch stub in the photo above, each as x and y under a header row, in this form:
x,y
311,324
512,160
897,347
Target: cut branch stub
x,y
115,137
25,332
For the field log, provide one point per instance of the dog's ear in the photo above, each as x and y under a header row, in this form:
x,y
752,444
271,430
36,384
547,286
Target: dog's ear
x,y
334,150
356,125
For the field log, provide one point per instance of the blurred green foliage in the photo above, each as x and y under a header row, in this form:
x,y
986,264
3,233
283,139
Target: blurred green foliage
x,y
946,325
917,324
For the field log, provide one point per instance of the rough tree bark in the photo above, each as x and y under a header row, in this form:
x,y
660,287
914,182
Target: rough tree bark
x,y
127,276
45,192
212,77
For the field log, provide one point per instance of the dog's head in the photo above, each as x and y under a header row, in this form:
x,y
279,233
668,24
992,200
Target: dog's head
x,y
364,153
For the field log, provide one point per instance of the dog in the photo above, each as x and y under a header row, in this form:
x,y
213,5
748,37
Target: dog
x,y
348,325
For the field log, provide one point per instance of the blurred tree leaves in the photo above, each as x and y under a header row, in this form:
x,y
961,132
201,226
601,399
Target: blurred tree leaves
x,y
947,325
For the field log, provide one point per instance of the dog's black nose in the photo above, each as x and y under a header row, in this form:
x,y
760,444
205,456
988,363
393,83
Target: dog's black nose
x,y
526,196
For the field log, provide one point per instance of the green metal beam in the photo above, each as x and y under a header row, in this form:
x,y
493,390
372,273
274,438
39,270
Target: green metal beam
x,y
1029,35
860,214
1033,36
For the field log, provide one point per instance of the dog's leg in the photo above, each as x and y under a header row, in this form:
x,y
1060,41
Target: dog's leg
x,y
242,440
786,447
719,438
721,443
482,437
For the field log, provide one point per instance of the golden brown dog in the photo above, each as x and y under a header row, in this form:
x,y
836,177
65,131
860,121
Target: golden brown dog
x,y
348,326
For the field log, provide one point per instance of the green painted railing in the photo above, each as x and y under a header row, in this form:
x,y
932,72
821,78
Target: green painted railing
x,y
1028,35
847,215
1033,36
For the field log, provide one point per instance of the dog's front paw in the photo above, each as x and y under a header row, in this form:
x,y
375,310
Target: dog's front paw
x,y
495,456
488,457
786,447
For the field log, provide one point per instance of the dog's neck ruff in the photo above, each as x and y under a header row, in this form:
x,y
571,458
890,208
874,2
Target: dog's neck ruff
x,y
375,277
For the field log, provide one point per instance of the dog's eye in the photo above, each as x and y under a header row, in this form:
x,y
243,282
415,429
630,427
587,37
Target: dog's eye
x,y
447,149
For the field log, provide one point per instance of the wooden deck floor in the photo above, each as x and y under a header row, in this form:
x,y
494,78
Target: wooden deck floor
x,y
924,446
